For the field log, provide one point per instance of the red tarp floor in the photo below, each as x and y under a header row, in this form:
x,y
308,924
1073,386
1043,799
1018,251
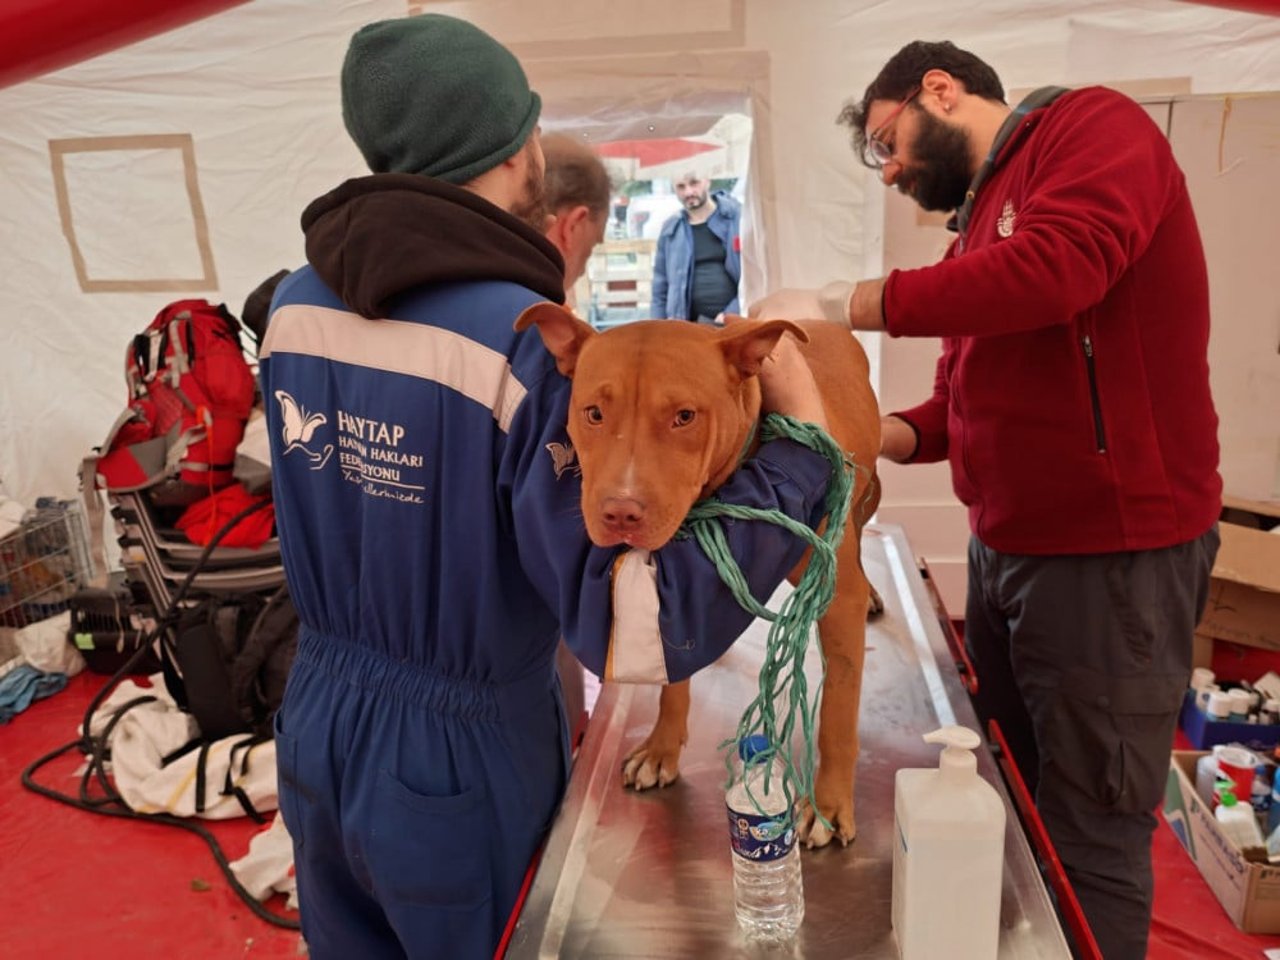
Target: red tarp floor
x,y
77,885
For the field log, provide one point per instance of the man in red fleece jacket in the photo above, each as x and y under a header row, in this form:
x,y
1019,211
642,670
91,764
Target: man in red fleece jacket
x,y
1072,401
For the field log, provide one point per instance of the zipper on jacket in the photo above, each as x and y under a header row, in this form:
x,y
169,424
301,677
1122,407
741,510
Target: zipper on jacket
x,y
1099,434
954,400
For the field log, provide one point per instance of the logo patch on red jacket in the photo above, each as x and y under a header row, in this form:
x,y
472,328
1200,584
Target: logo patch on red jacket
x,y
1004,225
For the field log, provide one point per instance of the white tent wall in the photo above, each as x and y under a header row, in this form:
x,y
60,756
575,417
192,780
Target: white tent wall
x,y
256,90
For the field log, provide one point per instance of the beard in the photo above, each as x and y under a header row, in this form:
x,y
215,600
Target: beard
x,y
532,205
695,200
940,182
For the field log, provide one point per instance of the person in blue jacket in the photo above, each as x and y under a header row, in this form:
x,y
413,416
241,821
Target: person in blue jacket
x,y
429,518
698,261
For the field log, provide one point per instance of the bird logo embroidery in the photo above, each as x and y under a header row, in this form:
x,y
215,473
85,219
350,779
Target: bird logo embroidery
x,y
563,457
1004,225
298,429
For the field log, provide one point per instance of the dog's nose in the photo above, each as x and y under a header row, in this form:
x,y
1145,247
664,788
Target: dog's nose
x,y
622,513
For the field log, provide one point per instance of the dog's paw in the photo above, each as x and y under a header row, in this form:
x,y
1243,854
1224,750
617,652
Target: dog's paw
x,y
813,833
876,605
650,766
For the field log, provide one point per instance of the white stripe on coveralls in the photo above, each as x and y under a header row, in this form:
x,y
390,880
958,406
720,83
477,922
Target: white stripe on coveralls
x,y
483,375
396,346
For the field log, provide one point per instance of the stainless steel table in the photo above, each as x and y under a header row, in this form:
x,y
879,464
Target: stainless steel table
x,y
628,874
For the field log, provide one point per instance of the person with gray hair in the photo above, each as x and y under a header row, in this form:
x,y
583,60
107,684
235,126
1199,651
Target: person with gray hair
x,y
577,196
429,515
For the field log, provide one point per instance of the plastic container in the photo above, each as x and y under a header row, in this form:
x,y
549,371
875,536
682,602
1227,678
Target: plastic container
x,y
1260,794
1273,846
1239,701
948,855
768,889
1273,812
1240,766
1207,776
1237,821
1202,696
1219,705
1269,684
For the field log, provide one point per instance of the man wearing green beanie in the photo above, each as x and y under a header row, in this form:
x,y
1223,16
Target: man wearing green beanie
x,y
428,510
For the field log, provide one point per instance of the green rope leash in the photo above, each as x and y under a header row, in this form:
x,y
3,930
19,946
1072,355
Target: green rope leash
x,y
782,673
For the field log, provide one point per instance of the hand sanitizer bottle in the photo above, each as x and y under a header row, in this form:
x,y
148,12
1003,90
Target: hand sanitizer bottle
x,y
948,855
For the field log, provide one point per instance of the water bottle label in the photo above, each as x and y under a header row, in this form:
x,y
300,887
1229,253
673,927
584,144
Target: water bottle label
x,y
758,838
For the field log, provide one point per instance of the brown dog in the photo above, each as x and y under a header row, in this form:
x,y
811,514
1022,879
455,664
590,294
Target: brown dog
x,y
682,400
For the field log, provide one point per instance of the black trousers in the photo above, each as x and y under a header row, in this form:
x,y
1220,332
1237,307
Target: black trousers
x,y
1083,661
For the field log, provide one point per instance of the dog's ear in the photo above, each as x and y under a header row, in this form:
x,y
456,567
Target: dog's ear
x,y
563,334
746,343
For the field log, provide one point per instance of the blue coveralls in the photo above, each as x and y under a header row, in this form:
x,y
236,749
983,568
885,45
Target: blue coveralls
x,y
429,518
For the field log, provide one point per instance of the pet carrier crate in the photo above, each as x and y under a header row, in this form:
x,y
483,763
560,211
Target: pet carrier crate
x,y
42,563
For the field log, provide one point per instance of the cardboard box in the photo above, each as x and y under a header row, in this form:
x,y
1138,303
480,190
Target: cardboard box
x,y
1244,593
1248,891
1202,651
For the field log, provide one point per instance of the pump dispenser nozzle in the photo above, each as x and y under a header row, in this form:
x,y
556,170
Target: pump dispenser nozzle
x,y
958,746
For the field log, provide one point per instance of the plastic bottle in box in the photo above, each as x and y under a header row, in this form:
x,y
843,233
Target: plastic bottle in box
x,y
1238,821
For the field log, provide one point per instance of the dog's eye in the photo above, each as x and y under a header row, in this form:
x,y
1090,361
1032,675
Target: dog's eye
x,y
684,418
594,415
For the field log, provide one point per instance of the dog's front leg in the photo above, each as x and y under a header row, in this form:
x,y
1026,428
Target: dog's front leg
x,y
843,633
656,762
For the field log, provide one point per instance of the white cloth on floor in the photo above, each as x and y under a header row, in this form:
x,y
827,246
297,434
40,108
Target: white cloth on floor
x,y
268,866
45,646
150,731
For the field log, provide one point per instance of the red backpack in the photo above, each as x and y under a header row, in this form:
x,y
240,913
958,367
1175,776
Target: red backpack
x,y
190,393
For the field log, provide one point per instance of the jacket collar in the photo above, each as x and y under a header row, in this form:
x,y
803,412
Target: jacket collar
x,y
959,221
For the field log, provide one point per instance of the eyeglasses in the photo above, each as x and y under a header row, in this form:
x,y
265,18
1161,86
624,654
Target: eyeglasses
x,y
879,152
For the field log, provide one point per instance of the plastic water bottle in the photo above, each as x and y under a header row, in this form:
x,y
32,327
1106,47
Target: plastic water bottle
x,y
1273,811
768,890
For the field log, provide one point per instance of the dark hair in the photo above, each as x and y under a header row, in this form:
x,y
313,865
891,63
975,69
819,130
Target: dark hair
x,y
575,176
903,73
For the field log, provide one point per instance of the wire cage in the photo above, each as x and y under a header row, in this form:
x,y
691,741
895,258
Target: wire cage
x,y
43,563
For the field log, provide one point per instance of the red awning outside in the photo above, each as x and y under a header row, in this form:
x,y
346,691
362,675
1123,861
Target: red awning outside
x,y
649,153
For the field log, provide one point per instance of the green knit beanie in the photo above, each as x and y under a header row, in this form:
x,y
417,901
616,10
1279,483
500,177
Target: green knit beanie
x,y
435,95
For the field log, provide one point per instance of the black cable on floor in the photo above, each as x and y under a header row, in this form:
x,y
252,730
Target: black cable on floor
x,y
110,803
